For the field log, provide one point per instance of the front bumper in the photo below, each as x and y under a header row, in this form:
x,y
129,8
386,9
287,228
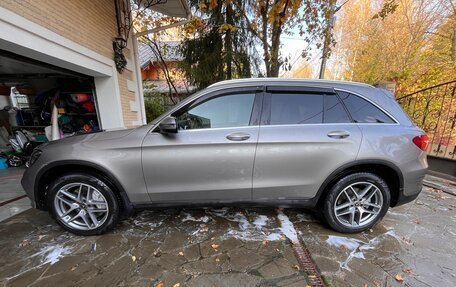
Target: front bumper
x,y
28,183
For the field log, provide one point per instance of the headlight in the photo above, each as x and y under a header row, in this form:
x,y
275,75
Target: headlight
x,y
34,157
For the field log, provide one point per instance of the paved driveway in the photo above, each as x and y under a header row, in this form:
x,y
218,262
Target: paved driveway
x,y
414,245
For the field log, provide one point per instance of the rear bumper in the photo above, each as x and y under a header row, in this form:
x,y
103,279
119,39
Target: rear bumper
x,y
403,199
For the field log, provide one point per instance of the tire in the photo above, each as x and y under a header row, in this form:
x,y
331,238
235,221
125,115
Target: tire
x,y
94,212
14,161
345,197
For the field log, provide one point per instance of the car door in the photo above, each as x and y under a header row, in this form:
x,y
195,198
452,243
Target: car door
x,y
210,158
305,135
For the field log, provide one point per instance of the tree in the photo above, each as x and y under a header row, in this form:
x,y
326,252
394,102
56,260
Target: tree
x,y
257,23
144,19
268,20
218,47
409,42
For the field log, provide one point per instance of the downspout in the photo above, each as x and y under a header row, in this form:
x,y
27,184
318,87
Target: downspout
x,y
142,108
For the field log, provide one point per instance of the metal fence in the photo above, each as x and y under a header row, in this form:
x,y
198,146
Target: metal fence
x,y
434,110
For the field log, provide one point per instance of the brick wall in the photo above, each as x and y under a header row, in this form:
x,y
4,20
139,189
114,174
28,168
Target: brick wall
x,y
90,23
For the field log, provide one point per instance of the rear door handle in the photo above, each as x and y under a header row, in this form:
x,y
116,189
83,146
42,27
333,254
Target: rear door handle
x,y
238,136
339,134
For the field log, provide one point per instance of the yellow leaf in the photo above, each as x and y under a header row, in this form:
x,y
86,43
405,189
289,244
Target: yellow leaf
x,y
181,253
133,258
160,284
177,285
215,246
398,278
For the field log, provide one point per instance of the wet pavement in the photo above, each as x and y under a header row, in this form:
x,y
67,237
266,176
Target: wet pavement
x,y
414,245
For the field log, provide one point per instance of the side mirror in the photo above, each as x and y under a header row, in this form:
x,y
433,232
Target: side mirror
x,y
168,125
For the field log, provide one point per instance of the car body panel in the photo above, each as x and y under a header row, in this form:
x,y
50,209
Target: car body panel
x,y
118,152
292,161
393,143
199,165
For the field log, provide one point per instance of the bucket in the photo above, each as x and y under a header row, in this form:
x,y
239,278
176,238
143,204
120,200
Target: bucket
x,y
3,163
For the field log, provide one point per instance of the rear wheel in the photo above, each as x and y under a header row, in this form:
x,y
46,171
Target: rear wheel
x,y
356,202
83,204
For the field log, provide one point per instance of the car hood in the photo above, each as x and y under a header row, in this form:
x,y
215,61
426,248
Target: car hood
x,y
91,137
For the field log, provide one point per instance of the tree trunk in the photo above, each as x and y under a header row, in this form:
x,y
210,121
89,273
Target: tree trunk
x,y
228,42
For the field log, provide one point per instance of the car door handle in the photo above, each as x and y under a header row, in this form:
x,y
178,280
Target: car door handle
x,y
339,134
238,137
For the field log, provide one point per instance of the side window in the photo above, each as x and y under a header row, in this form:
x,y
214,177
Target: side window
x,y
335,111
220,112
296,108
362,111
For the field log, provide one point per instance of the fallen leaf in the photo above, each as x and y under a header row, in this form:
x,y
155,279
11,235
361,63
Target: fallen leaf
x,y
24,242
265,242
283,237
365,285
408,270
217,260
160,284
398,278
296,267
133,258
181,253
73,268
215,246
177,285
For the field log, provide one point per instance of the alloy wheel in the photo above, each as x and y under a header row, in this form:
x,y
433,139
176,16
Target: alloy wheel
x,y
358,204
81,206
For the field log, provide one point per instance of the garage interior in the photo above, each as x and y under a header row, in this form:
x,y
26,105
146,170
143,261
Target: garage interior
x,y
30,89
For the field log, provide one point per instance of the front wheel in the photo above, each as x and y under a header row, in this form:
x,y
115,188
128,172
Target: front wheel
x,y
356,202
83,204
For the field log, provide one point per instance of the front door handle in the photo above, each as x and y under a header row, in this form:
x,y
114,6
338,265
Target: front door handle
x,y
238,136
339,134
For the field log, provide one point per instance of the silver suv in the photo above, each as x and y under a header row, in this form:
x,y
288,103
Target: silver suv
x,y
345,149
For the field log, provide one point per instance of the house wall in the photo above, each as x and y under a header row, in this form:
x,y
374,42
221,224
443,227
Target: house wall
x,y
91,24
154,72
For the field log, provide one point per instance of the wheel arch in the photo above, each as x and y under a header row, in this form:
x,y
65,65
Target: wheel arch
x,y
56,169
386,170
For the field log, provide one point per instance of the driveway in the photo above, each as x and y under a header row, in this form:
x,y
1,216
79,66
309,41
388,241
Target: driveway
x,y
414,245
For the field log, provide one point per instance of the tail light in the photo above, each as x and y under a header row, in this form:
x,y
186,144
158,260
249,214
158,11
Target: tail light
x,y
422,142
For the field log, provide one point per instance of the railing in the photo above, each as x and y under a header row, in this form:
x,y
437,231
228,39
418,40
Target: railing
x,y
434,110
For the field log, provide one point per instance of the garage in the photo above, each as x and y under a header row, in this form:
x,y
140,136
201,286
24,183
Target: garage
x,y
29,91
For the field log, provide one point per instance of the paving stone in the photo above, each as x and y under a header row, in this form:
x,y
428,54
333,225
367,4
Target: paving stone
x,y
214,264
175,239
192,252
243,260
276,269
171,261
225,280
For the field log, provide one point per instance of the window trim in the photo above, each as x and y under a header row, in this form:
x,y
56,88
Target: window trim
x,y
267,100
396,122
266,110
343,106
254,114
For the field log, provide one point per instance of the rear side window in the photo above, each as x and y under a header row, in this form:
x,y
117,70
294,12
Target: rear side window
x,y
335,111
362,111
296,108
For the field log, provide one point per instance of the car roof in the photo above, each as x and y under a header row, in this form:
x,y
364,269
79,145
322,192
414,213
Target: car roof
x,y
382,98
294,81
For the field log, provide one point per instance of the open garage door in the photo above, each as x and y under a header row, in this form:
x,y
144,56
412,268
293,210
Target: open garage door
x,y
29,90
